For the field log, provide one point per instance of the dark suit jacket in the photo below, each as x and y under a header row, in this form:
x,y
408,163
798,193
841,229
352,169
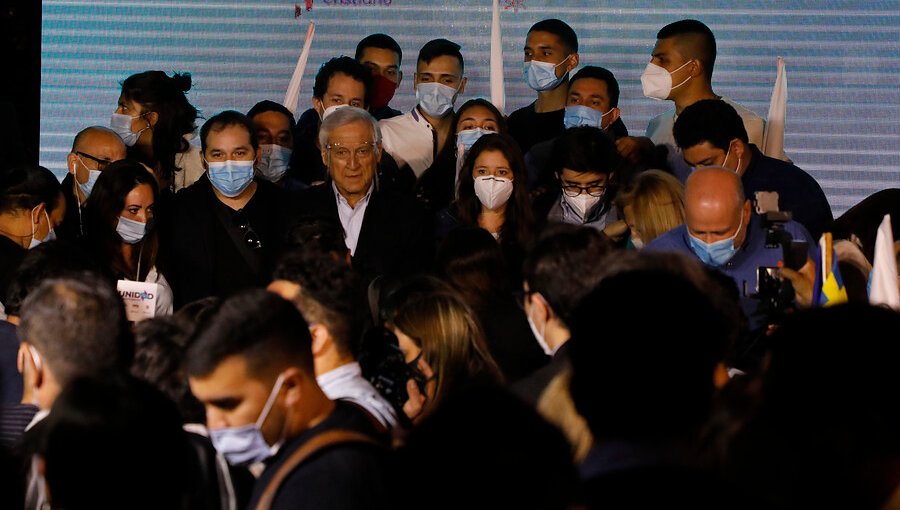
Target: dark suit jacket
x,y
395,238
204,262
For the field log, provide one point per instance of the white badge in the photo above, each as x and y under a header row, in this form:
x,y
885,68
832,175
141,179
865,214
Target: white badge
x,y
139,298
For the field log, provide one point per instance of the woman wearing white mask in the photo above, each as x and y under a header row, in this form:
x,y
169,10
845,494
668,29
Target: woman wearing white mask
x,y
475,118
492,195
154,119
31,205
121,227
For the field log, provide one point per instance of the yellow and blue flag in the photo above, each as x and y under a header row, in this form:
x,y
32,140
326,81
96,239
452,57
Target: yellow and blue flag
x,y
828,289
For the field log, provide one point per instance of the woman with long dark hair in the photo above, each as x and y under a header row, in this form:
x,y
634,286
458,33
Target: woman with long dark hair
x,y
121,227
493,195
154,119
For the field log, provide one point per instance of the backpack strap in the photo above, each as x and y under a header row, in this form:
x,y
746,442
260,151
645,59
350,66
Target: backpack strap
x,y
314,445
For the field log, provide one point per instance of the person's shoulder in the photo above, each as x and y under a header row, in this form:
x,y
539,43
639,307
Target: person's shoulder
x,y
671,240
397,120
192,195
658,121
746,114
522,112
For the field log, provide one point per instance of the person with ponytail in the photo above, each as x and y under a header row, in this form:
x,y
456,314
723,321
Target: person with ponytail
x,y
155,120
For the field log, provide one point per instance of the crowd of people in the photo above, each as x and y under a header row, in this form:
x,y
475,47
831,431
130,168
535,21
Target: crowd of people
x,y
440,308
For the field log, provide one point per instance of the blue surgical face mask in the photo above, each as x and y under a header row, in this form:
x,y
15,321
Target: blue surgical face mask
x,y
51,235
246,445
435,99
273,162
121,124
468,137
230,177
716,254
541,76
88,186
131,231
580,115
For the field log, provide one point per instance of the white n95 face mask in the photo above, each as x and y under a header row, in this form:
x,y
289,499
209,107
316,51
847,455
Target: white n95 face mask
x,y
657,82
493,192
582,204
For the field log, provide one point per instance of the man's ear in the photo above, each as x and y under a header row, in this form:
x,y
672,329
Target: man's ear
x,y
318,106
292,385
613,116
71,161
321,339
574,59
378,151
739,147
540,306
37,213
399,78
462,86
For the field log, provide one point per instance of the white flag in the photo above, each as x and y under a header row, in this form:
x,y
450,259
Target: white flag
x,y
498,93
883,281
773,140
292,96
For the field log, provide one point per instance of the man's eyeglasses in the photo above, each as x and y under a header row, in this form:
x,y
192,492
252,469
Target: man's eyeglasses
x,y
251,238
101,163
594,190
342,153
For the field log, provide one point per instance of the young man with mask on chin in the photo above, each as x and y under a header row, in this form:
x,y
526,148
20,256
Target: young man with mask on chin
x,y
551,53
229,226
419,138
252,368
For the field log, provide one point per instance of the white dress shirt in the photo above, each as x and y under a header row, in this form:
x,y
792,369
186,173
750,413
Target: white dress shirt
x,y
346,382
351,217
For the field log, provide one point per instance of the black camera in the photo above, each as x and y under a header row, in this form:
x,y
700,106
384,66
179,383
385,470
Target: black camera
x,y
384,365
775,294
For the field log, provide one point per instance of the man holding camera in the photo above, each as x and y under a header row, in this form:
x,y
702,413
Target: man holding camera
x,y
722,233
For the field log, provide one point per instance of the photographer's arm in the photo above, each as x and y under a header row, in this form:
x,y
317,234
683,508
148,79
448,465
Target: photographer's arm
x,y
803,281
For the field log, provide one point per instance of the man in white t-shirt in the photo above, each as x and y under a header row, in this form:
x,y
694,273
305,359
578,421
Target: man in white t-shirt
x,y
680,70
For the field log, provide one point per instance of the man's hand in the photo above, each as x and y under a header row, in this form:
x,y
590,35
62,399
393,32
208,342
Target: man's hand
x,y
633,148
802,281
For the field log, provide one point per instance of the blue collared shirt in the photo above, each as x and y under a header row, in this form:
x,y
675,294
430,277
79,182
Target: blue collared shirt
x,y
742,268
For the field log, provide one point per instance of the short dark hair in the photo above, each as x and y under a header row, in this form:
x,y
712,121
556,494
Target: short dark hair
x,y
270,106
586,149
261,327
560,29
343,65
159,346
703,43
604,75
439,48
709,120
381,41
225,119
563,266
330,293
26,187
53,259
78,326
633,378
133,438
318,232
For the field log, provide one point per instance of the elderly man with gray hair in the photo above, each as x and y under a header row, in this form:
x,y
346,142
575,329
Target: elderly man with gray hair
x,y
723,233
386,233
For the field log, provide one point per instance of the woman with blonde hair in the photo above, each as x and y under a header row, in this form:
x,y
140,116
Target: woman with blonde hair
x,y
652,205
444,345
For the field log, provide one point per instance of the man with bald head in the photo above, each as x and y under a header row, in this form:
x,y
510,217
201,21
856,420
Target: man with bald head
x,y
722,233
94,148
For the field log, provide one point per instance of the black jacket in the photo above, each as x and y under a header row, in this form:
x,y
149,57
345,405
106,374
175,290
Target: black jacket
x,y
394,240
